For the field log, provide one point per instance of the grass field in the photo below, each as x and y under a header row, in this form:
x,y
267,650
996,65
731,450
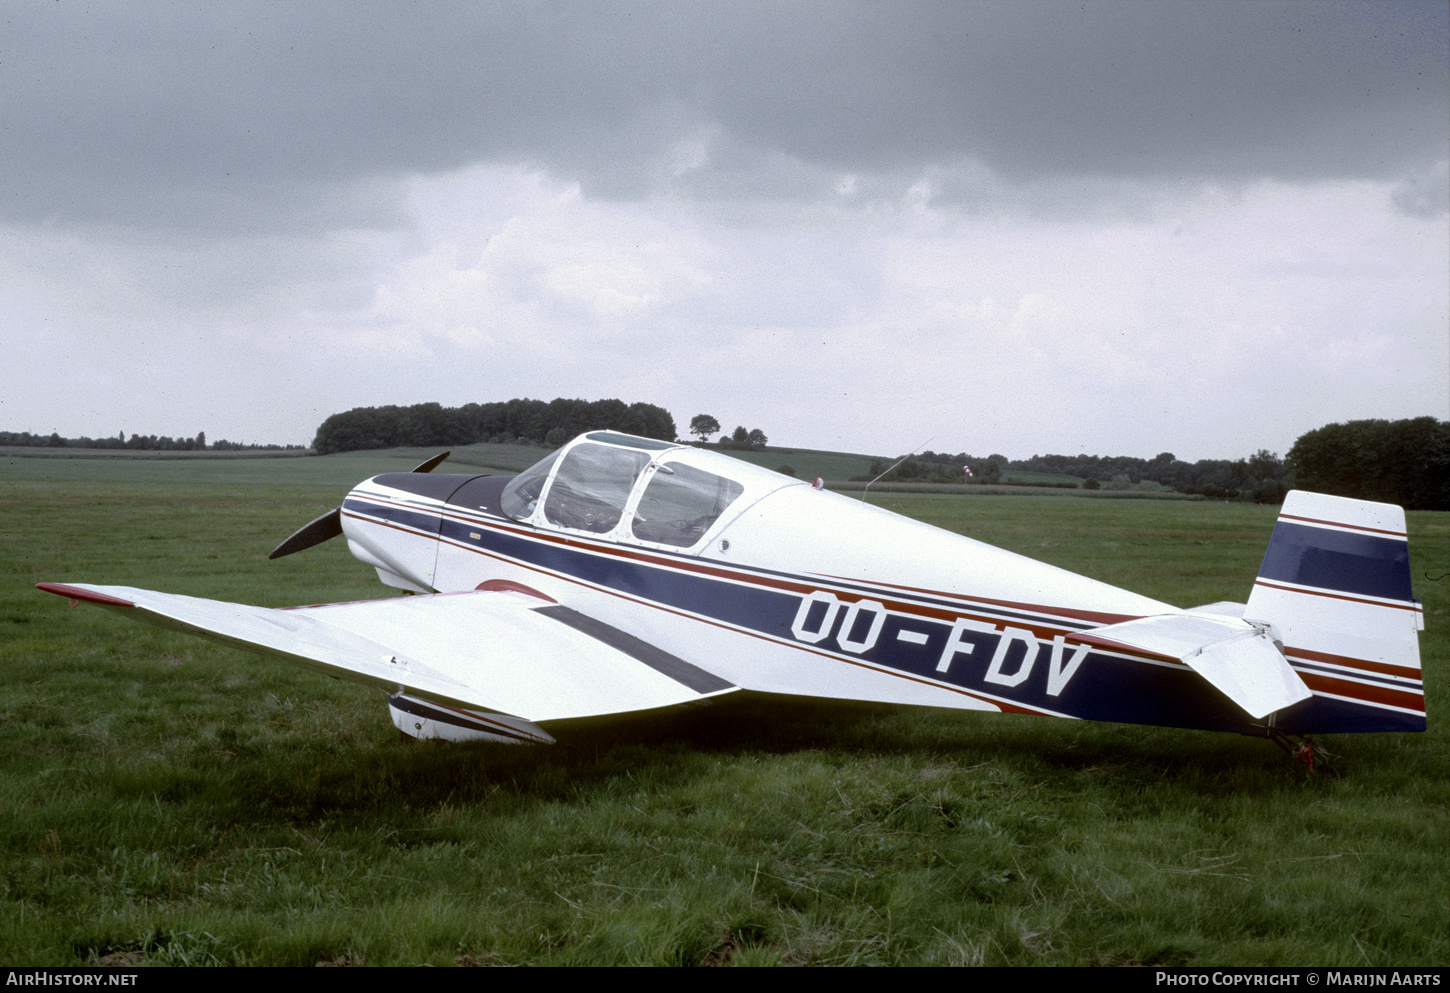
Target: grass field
x,y
165,800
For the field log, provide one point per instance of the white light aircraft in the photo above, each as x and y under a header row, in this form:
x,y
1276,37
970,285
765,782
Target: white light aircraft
x,y
625,574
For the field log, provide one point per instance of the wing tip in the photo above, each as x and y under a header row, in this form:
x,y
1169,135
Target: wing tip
x,y
81,593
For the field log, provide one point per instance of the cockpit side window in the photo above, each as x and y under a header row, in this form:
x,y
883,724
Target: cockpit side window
x,y
680,503
592,486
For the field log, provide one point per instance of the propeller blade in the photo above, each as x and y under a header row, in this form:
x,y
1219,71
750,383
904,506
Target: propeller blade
x,y
329,525
433,463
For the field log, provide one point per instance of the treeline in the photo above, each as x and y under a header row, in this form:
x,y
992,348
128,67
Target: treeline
x,y
1404,462
1261,477
137,442
530,421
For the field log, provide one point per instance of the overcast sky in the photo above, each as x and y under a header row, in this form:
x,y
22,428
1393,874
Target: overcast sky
x,y
1010,227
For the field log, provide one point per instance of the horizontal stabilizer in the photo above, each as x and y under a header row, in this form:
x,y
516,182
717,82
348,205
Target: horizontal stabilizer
x,y
1239,659
501,651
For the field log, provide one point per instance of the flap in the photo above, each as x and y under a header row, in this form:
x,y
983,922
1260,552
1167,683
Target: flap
x,y
494,650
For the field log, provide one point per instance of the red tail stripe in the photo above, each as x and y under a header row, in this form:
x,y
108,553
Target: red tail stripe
x,y
1362,691
1337,596
1341,524
1384,668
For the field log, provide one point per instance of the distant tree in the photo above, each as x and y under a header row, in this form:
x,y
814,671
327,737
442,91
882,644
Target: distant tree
x,y
1269,491
1265,464
605,414
1092,484
703,426
910,470
649,421
518,420
785,470
988,470
1405,462
742,440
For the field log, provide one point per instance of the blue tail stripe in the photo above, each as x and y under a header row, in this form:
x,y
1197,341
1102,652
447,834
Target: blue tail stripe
x,y
1338,560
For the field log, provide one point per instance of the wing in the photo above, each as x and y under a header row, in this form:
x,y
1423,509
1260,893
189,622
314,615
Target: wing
x,y
497,650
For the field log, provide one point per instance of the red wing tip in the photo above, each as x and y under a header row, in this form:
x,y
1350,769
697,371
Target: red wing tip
x,y
509,586
76,593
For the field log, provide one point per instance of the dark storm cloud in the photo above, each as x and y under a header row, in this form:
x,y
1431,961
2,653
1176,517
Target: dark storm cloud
x,y
254,116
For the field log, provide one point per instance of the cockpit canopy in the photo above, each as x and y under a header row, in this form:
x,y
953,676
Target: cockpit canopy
x,y
651,491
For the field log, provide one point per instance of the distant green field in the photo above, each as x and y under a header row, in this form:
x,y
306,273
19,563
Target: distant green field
x,y
31,451
1003,489
166,800
220,467
1028,476
806,463
333,470
482,456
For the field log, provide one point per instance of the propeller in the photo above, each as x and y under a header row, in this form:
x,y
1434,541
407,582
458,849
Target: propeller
x,y
329,525
432,463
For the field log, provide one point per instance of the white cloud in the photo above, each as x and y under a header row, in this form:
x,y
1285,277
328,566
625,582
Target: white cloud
x,y
1211,325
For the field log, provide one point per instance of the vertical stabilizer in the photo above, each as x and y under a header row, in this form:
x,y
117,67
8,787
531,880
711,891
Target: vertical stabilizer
x,y
1335,589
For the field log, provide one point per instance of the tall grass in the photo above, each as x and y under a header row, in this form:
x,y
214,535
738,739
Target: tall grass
x,y
181,803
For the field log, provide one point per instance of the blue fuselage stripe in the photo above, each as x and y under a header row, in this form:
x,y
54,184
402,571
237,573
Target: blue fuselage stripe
x,y
1338,560
421,520
767,611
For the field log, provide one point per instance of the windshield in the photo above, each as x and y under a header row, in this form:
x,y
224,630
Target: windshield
x,y
592,484
522,495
